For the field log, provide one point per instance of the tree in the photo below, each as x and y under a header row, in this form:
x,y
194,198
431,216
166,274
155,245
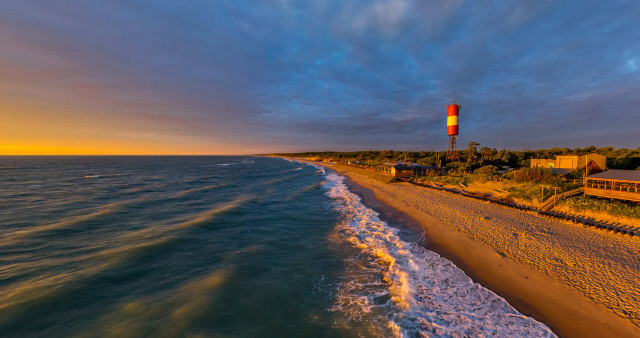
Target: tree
x,y
472,150
486,152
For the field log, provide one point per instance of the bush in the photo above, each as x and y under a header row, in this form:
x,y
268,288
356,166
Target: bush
x,y
615,208
534,175
485,173
528,192
508,175
487,170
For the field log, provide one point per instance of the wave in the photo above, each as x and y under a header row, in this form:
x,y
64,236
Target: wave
x,y
159,234
279,180
205,188
408,290
19,293
292,170
302,191
209,215
110,208
168,312
102,176
98,212
320,169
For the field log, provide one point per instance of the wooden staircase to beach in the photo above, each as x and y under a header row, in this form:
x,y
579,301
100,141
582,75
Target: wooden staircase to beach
x,y
551,201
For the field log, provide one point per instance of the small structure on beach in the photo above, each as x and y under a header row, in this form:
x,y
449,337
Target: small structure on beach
x,y
595,162
406,169
618,184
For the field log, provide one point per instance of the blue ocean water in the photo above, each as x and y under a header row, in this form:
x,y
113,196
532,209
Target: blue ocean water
x,y
219,246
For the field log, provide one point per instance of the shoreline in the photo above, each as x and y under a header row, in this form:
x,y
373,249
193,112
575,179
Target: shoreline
x,y
567,311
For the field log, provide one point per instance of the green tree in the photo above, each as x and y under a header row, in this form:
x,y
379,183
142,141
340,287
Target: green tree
x,y
486,153
472,150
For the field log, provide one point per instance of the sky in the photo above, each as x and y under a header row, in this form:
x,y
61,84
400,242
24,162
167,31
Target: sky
x,y
245,77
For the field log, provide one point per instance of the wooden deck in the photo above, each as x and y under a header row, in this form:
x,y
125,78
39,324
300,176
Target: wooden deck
x,y
628,194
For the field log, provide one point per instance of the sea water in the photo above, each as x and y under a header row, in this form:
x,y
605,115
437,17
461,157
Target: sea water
x,y
220,246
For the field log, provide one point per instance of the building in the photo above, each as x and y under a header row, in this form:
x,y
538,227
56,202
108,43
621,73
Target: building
x,y
406,170
595,162
543,163
618,184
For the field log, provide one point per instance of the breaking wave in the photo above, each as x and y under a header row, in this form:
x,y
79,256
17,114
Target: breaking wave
x,y
406,290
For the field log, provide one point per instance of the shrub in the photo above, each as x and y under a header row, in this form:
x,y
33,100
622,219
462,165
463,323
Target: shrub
x,y
615,208
534,175
485,173
487,170
527,192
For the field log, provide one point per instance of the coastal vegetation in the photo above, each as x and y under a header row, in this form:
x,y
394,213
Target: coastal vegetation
x,y
474,157
502,174
611,207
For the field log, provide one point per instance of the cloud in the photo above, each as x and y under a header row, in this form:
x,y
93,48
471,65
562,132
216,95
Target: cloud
x,y
334,74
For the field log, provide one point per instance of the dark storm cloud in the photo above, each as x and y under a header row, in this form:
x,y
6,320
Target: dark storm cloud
x,y
340,74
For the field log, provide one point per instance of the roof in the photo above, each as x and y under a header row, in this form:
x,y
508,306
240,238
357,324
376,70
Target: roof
x,y
410,165
560,171
578,154
621,175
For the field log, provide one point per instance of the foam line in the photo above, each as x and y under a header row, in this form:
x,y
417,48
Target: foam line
x,y
427,294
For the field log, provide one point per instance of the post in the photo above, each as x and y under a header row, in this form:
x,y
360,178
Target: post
x,y
586,165
555,192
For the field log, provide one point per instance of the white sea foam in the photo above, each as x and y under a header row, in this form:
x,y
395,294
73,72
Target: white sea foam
x,y
411,291
319,167
100,176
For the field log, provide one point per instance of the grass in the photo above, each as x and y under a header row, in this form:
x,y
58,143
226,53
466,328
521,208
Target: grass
x,y
529,193
447,179
534,175
526,191
613,208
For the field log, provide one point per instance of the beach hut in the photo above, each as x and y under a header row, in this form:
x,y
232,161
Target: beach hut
x,y
406,170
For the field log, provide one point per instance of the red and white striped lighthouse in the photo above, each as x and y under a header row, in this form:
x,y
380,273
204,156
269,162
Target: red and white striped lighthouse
x,y
453,111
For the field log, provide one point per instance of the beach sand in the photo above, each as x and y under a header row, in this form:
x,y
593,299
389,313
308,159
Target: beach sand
x,y
579,281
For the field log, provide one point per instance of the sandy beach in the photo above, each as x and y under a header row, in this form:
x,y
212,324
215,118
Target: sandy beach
x,y
579,281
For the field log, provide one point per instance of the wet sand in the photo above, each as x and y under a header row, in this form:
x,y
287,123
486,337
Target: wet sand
x,y
579,281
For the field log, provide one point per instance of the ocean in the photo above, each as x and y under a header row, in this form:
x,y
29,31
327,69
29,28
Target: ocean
x,y
133,246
